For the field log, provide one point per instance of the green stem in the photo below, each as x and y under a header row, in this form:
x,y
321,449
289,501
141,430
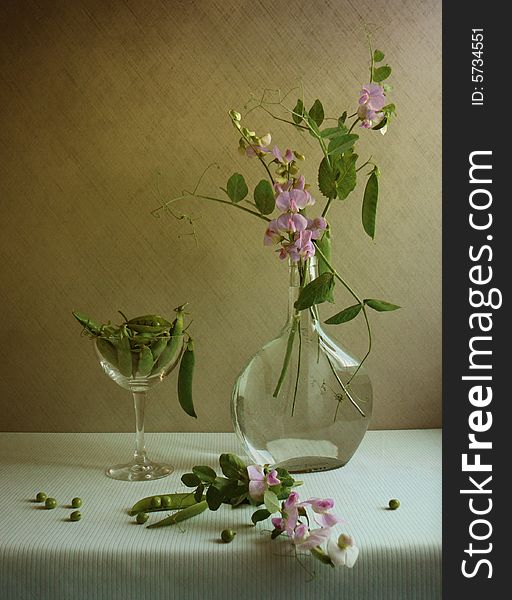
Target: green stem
x,y
298,371
211,198
356,297
353,125
287,356
327,206
368,162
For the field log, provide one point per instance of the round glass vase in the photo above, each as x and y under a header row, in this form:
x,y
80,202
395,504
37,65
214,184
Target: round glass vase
x,y
302,402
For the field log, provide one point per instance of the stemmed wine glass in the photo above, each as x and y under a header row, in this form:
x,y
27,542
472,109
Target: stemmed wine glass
x,y
137,363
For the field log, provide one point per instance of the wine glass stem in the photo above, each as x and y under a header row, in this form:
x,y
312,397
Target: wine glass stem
x,y
139,400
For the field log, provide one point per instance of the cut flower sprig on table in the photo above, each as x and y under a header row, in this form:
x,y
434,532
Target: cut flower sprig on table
x,y
308,525
301,229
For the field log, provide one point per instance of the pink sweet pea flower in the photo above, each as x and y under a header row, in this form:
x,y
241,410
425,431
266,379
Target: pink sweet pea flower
x,y
272,235
259,482
292,222
293,200
288,157
290,513
372,96
317,227
320,508
369,117
307,539
343,552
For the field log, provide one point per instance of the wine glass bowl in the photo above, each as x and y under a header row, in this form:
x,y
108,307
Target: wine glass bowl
x,y
137,364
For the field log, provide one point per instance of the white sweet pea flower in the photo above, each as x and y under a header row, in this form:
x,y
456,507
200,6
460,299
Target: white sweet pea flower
x,y
344,552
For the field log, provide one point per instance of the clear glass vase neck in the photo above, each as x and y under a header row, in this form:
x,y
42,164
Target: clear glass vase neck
x,y
300,274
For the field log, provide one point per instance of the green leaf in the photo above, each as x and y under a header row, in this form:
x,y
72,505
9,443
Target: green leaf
x,y
389,109
325,246
341,144
271,502
381,124
347,176
198,494
232,466
380,305
314,129
260,515
345,315
332,132
205,474
190,480
236,188
315,292
316,112
378,56
369,212
264,197
326,179
214,498
298,112
342,119
381,73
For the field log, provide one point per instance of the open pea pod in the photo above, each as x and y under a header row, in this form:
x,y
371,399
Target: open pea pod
x,y
178,501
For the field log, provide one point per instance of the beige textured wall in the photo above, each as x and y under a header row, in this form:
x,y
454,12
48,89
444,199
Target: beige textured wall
x,y
97,98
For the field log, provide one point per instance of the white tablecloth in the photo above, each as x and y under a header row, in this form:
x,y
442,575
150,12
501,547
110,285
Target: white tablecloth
x,y
105,556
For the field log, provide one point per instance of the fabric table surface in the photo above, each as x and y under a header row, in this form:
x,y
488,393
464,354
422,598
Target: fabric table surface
x,y
106,555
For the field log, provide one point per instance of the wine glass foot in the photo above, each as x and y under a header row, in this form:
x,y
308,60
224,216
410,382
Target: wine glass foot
x,y
146,471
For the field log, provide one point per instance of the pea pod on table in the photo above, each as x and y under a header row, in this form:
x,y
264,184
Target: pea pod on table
x,y
181,515
177,501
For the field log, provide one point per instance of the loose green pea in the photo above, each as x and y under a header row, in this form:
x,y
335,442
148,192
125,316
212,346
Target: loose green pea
x,y
76,515
156,502
142,517
76,502
166,502
41,497
50,503
228,535
394,504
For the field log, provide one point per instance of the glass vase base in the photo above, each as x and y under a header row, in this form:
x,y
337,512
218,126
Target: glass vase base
x,y
287,455
139,472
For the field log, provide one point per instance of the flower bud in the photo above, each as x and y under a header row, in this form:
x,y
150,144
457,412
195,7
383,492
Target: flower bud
x,y
299,156
266,139
294,169
345,541
236,116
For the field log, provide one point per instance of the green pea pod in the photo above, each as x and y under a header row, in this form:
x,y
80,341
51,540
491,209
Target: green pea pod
x,y
145,362
107,350
158,346
185,376
91,326
181,515
149,324
173,345
178,501
124,356
151,320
